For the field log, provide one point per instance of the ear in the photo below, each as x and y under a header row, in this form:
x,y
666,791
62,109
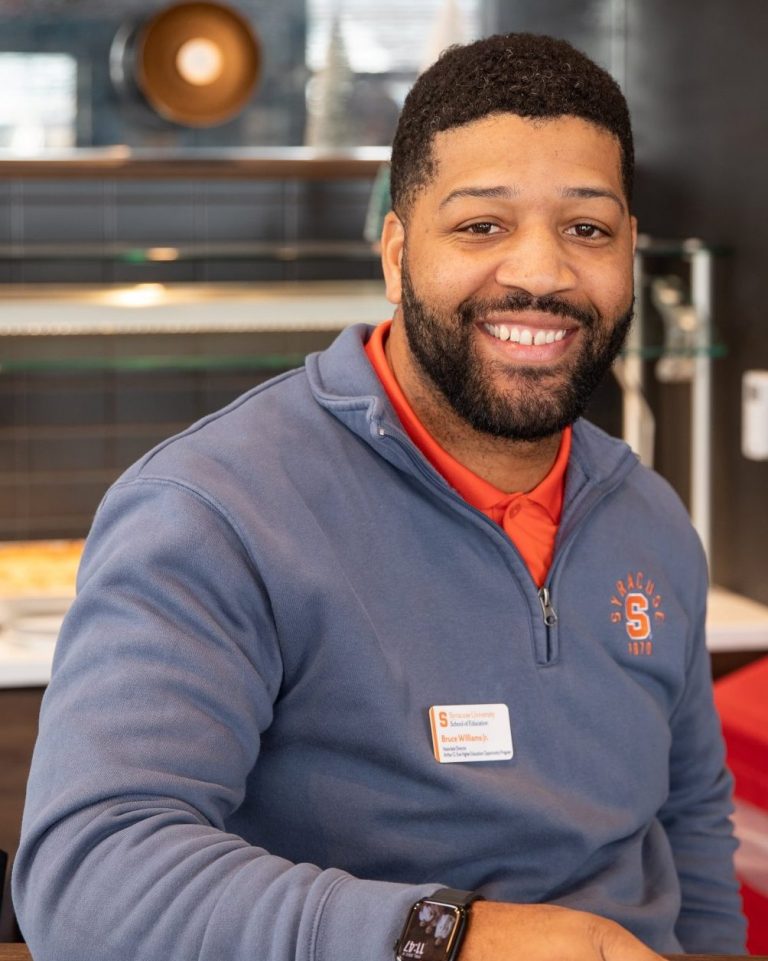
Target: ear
x,y
633,228
392,245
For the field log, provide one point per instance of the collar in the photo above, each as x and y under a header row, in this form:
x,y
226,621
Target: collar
x,y
548,493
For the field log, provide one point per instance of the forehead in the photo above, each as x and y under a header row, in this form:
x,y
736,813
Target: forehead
x,y
514,150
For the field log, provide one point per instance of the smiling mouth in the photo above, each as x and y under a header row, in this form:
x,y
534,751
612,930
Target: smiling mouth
x,y
526,336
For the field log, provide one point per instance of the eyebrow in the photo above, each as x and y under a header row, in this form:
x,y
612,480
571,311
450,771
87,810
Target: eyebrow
x,y
588,193
503,192
509,193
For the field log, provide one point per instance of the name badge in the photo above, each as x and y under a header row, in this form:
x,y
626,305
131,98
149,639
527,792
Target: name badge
x,y
470,732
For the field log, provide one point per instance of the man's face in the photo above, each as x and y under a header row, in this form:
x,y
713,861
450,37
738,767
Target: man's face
x,y
514,273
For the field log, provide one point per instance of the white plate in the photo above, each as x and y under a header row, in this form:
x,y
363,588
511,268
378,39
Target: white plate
x,y
33,622
30,641
42,604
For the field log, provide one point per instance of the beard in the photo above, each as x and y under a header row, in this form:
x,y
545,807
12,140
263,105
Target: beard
x,y
535,402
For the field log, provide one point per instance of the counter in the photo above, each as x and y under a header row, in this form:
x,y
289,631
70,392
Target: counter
x,y
20,952
734,623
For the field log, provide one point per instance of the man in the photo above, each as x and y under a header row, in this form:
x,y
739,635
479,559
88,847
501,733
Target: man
x,y
401,620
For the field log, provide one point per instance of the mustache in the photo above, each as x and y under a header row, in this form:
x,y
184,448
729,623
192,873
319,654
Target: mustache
x,y
473,310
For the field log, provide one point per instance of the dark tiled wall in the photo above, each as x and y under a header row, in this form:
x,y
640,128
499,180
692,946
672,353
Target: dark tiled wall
x,y
95,214
70,436
65,436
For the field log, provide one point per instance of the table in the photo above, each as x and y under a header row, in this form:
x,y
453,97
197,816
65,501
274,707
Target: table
x,y
19,952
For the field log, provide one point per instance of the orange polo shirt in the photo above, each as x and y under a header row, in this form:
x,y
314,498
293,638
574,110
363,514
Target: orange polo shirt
x,y
530,519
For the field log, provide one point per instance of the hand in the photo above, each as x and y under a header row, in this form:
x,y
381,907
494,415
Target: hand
x,y
545,932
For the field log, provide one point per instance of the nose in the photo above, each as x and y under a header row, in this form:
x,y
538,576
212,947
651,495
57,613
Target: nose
x,y
533,259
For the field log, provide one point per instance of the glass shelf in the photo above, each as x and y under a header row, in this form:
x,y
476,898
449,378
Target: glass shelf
x,y
124,163
151,364
659,247
655,352
137,254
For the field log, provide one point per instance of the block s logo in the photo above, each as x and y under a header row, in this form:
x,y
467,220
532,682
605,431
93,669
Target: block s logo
x,y
636,616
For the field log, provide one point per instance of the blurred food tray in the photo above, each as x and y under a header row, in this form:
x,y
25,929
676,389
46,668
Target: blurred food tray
x,y
30,569
37,584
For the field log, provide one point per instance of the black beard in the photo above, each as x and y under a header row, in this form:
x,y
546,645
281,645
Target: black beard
x,y
538,401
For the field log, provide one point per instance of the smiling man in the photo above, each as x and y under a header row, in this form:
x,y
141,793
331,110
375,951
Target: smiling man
x,y
397,649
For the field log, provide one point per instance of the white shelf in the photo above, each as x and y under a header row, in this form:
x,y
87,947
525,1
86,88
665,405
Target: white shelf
x,y
191,309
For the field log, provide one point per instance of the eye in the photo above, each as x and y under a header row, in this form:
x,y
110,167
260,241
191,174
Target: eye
x,y
483,228
587,231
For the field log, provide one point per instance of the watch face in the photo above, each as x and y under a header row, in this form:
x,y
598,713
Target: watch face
x,y
430,932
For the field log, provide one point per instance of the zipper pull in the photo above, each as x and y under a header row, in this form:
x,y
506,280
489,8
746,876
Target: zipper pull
x,y
550,614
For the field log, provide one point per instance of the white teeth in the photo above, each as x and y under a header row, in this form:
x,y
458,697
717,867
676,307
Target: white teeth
x,y
522,335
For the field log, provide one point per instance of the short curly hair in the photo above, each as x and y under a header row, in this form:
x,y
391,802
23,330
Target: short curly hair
x,y
526,74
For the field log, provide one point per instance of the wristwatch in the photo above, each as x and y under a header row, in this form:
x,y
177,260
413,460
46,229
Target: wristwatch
x,y
435,926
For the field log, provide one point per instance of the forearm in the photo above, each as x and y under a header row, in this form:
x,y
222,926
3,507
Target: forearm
x,y
136,880
508,932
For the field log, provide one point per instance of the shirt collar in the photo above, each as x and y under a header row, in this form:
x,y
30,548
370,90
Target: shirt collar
x,y
548,493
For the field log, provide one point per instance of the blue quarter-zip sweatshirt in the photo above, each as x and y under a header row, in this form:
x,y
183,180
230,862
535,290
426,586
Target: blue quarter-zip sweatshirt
x,y
235,759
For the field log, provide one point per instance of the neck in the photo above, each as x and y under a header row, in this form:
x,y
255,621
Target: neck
x,y
510,465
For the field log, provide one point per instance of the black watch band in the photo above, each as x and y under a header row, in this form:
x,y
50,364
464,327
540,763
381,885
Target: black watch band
x,y
460,899
435,926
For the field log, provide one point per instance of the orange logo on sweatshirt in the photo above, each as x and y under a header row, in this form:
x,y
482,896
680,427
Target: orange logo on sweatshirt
x,y
637,606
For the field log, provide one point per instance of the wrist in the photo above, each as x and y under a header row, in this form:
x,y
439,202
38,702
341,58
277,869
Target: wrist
x,y
435,926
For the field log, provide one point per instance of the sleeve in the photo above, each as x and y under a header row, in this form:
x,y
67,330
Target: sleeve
x,y
164,680
697,813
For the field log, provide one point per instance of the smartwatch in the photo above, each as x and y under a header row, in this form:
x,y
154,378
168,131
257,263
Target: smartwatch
x,y
435,926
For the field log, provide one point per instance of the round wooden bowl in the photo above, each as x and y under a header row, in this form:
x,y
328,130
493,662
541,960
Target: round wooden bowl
x,y
197,64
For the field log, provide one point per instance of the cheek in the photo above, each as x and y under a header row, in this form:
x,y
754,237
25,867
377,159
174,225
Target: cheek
x,y
610,290
445,282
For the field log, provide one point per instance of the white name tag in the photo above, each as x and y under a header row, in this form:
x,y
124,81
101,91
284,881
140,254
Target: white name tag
x,y
470,732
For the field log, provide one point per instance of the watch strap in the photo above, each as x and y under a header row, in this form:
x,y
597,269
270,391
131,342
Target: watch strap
x,y
455,897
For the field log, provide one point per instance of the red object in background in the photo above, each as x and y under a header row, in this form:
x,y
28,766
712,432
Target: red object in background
x,y
742,701
756,910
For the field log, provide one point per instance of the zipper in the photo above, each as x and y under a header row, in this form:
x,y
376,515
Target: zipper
x,y
547,608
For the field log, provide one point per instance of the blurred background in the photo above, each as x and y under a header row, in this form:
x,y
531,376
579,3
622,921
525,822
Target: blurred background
x,y
189,197
99,185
